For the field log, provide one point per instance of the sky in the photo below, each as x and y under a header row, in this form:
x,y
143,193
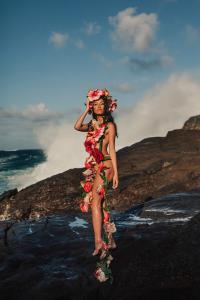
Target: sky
x,y
146,52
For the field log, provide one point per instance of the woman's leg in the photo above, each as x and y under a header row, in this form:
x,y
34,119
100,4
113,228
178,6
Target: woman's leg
x,y
97,206
97,209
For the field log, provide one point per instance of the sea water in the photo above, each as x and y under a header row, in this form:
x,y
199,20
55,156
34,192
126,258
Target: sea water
x,y
15,162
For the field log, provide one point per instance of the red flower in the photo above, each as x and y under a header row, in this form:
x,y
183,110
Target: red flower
x,y
102,192
87,187
98,155
106,216
88,146
88,165
83,206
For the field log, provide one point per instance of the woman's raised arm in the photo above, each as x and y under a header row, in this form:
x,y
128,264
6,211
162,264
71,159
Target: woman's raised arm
x,y
78,125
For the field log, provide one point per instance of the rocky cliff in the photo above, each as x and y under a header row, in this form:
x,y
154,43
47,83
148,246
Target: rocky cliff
x,y
153,167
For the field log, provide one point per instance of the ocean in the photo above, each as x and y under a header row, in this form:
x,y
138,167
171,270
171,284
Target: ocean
x,y
15,162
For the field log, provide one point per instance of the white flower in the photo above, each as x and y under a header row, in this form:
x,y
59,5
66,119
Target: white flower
x,y
110,227
87,172
101,275
87,198
103,254
99,188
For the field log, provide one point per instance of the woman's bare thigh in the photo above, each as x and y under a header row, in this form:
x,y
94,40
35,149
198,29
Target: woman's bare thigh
x,y
99,181
108,172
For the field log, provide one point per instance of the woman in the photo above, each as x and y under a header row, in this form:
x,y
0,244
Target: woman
x,y
101,168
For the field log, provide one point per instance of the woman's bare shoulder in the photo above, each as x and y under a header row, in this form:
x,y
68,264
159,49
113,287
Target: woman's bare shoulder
x,y
111,125
111,128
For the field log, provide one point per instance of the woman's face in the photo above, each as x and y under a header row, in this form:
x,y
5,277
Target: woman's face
x,y
98,106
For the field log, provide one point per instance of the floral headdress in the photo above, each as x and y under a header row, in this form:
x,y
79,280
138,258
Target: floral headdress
x,y
97,94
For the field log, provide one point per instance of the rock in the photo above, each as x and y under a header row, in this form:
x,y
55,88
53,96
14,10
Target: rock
x,y
8,194
153,167
192,123
172,206
50,258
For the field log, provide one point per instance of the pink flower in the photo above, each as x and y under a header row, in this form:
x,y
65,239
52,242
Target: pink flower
x,y
95,94
89,162
99,132
112,105
90,105
101,192
106,216
83,206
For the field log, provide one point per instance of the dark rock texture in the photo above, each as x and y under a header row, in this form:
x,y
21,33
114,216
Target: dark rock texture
x,y
157,257
192,123
153,167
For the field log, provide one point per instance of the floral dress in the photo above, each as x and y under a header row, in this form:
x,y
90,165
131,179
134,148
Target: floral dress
x,y
96,134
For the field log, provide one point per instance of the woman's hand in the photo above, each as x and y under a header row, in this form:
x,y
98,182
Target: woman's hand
x,y
87,104
115,181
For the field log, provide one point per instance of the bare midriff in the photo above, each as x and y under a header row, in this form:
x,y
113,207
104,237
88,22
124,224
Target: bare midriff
x,y
106,163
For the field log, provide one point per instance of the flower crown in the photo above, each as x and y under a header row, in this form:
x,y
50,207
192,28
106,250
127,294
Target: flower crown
x,y
97,94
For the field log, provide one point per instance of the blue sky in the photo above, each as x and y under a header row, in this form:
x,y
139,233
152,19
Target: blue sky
x,y
52,52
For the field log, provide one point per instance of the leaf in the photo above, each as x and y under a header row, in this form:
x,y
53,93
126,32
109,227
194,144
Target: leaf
x,y
102,176
106,158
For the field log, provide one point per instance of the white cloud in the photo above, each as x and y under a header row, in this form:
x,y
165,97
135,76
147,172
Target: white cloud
x,y
91,28
59,39
105,61
133,31
166,60
125,87
33,112
192,34
79,44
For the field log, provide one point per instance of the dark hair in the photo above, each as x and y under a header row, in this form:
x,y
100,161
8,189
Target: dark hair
x,y
107,114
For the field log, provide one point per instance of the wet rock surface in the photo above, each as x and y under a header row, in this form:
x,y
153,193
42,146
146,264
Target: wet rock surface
x,y
46,243
156,256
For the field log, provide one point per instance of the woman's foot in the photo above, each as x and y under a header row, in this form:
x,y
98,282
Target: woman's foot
x,y
98,246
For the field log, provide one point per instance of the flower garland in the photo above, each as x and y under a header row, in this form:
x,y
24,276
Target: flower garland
x,y
93,95
103,271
